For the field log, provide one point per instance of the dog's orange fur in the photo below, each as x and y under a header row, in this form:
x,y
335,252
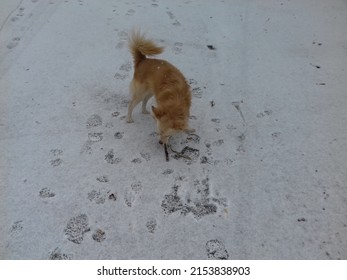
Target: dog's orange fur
x,y
163,80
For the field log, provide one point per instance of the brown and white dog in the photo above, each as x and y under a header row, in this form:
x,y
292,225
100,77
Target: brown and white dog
x,y
163,80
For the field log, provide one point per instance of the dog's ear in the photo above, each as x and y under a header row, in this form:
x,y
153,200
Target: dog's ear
x,y
157,112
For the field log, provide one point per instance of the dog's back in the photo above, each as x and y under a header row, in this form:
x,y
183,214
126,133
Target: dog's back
x,y
163,78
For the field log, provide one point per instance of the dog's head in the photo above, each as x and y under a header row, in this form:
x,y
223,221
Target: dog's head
x,y
169,123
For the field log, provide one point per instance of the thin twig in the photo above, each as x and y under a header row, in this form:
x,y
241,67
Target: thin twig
x,y
166,152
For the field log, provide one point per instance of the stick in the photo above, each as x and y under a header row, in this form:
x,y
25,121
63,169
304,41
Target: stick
x,y
166,152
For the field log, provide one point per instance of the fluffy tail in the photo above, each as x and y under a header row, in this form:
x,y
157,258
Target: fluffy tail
x,y
140,47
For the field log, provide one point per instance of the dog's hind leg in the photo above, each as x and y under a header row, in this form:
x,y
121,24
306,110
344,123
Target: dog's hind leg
x,y
144,103
136,99
133,103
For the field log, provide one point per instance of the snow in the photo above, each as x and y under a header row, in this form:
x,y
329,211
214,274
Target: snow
x,y
266,178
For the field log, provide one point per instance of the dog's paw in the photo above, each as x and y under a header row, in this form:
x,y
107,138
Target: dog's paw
x,y
129,120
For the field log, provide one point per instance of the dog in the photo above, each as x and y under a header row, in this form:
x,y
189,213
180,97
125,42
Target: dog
x,y
163,80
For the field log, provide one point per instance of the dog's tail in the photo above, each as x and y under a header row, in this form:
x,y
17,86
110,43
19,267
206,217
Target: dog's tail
x,y
140,47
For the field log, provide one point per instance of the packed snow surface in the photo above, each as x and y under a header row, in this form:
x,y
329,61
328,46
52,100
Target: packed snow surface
x,y
263,177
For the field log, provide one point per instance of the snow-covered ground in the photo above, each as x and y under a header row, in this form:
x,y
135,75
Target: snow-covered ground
x,y
267,175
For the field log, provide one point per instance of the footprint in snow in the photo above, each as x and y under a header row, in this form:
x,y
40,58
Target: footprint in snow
x,y
216,250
